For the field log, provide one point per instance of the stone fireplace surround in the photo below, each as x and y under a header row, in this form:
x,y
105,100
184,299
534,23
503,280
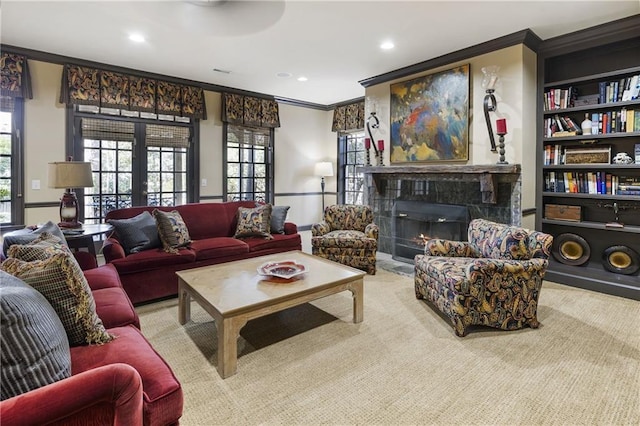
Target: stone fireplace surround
x,y
490,192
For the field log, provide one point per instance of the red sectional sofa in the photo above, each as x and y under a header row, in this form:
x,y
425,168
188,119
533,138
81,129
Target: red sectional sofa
x,y
123,382
150,274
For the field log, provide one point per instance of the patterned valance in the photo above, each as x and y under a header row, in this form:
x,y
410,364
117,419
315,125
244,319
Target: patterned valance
x,y
249,111
348,117
15,80
91,86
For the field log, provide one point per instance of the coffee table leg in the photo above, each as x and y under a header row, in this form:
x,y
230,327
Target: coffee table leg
x,y
357,290
184,304
228,333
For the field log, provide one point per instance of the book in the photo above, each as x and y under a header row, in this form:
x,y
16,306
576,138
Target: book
x,y
630,124
602,88
637,153
635,91
628,192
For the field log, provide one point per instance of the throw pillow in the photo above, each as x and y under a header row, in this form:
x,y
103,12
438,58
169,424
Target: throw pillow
x,y
137,233
33,343
255,222
26,235
278,218
172,229
43,247
61,281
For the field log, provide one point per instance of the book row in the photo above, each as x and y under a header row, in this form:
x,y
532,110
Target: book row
x,y
597,123
619,90
596,182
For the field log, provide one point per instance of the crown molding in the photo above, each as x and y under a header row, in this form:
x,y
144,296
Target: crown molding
x,y
526,37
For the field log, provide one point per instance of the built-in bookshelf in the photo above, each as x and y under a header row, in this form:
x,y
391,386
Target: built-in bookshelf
x,y
588,192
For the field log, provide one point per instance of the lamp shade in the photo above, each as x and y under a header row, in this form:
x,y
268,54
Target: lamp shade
x,y
324,168
70,174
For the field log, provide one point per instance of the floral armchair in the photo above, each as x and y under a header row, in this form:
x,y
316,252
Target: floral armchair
x,y
347,235
494,279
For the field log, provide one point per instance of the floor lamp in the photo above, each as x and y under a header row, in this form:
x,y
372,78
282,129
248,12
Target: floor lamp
x,y
323,169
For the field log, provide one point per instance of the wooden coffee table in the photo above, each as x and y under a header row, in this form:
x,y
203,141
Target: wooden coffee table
x,y
234,293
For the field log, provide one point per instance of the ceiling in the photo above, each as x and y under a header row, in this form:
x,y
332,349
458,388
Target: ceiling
x,y
334,44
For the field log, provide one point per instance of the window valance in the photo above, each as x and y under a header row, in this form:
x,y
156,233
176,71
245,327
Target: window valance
x,y
249,111
91,86
15,81
348,117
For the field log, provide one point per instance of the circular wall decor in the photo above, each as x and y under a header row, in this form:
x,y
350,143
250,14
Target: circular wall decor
x,y
571,249
621,260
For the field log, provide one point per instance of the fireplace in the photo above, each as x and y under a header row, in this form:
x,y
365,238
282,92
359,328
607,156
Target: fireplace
x,y
415,222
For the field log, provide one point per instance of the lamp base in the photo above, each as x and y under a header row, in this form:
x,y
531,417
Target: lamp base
x,y
69,211
70,225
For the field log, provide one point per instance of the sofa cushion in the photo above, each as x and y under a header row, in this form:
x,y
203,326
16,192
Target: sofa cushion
x,y
279,241
162,392
33,343
172,230
153,259
43,247
254,222
210,248
61,281
26,235
113,306
137,233
499,241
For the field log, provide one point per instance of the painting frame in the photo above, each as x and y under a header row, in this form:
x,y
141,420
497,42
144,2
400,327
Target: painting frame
x,y
429,118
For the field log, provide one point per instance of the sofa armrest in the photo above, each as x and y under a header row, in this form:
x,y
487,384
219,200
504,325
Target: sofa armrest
x,y
111,393
112,250
371,231
321,228
440,247
290,228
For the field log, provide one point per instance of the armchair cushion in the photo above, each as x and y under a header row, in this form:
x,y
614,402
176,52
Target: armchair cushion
x,y
498,240
43,247
34,346
26,235
345,239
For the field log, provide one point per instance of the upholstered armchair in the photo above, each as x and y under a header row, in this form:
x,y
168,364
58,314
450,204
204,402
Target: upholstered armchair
x,y
347,235
494,279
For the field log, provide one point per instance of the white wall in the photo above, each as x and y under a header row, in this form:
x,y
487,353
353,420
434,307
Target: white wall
x,y
304,138
515,97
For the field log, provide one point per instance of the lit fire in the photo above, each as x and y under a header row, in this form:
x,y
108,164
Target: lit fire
x,y
420,240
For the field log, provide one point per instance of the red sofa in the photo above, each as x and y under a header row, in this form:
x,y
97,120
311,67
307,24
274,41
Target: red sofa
x,y
123,382
150,274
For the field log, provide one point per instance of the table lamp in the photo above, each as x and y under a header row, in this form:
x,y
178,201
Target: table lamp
x,y
323,168
70,175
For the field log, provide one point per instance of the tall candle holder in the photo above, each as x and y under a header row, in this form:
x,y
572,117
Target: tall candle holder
x,y
367,146
501,130
380,153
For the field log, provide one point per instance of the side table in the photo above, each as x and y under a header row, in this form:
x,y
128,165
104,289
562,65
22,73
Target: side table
x,y
84,239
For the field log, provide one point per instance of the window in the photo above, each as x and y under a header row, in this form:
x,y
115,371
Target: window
x,y
11,197
249,163
126,173
351,155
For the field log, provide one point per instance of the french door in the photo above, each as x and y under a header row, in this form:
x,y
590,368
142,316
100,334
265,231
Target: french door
x,y
134,163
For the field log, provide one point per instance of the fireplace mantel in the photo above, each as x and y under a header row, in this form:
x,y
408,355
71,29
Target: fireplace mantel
x,y
487,175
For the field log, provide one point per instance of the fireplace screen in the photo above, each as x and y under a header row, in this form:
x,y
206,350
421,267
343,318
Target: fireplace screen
x,y
415,222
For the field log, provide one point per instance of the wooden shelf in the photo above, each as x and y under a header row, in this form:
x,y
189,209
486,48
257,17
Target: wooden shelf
x,y
592,225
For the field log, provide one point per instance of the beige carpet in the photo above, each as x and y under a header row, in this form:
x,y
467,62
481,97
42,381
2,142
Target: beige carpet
x,y
404,365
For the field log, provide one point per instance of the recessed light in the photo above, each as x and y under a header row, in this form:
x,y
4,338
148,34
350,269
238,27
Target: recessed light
x,y
387,45
138,38
284,74
302,78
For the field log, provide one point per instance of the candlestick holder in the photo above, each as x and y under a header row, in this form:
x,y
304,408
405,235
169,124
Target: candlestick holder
x,y
501,148
367,158
379,155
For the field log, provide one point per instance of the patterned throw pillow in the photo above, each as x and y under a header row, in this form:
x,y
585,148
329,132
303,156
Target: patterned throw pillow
x,y
33,343
61,281
137,233
43,247
23,236
255,222
172,229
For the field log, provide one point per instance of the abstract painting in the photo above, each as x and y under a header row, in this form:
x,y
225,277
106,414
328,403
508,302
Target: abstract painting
x,y
430,118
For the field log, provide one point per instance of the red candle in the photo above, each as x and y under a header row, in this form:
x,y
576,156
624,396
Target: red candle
x,y
381,145
501,126
367,143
